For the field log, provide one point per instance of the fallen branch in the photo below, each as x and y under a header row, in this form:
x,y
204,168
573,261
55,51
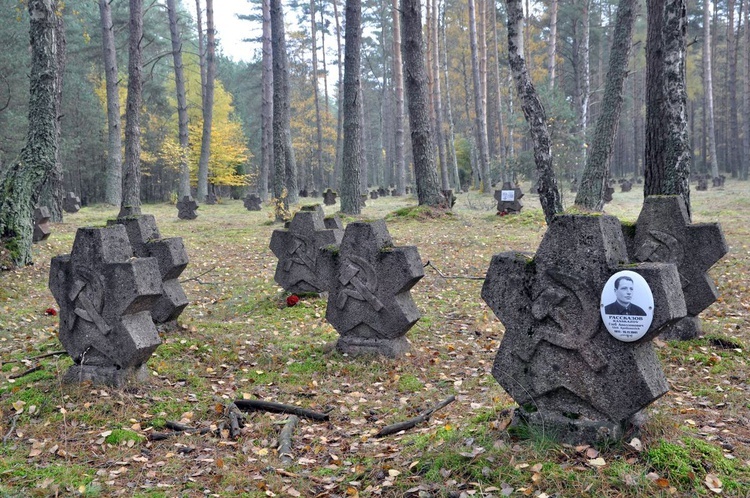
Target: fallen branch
x,y
197,278
443,275
236,420
408,424
285,440
270,406
27,372
160,436
12,428
47,355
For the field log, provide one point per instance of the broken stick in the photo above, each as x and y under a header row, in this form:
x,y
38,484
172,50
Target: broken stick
x,y
408,424
270,406
285,440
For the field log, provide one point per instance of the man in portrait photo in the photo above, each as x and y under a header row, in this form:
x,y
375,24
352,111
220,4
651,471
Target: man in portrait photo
x,y
624,294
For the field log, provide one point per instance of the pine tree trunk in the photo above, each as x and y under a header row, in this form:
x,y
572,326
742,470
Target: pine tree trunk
x,y
584,79
733,140
480,118
113,187
451,140
593,181
21,181
708,91
352,149
398,85
536,117
499,108
552,48
182,114
131,178
415,83
667,158
201,48
745,169
208,103
444,178
52,190
338,164
364,165
267,161
318,175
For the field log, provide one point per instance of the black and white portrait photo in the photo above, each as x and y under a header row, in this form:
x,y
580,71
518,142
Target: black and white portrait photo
x,y
627,306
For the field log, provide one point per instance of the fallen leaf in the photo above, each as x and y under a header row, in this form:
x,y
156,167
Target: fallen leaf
x,y
662,483
597,462
636,444
714,483
592,453
18,406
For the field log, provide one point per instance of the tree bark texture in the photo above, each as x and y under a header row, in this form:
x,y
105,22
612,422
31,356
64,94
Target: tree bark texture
x,y
338,164
201,48
182,110
708,88
498,92
733,141
480,113
591,191
113,192
52,189
398,90
745,168
266,163
352,150
208,103
285,169
552,48
533,110
451,141
131,177
438,103
21,181
667,158
318,174
415,83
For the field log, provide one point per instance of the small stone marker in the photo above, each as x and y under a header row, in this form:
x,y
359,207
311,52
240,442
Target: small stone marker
x,y
362,200
664,234
303,193
211,199
450,198
509,199
374,194
42,227
718,181
571,378
608,192
252,202
314,193
71,203
105,295
186,208
394,193
382,192
329,197
171,257
369,300
702,184
626,186
299,248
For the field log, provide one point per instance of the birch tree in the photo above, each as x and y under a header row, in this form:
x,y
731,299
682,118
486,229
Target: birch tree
x,y
708,91
266,162
480,114
208,102
182,110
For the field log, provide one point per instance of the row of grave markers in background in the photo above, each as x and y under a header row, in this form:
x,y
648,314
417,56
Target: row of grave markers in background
x,y
576,373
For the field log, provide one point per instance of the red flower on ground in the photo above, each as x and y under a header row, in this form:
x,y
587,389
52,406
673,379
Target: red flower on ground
x,y
50,311
292,300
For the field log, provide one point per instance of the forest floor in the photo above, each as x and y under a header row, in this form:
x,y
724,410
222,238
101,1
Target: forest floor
x,y
239,339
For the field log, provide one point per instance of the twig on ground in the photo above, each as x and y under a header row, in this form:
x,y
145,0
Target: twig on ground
x,y
197,278
26,372
177,429
443,275
12,428
47,355
408,424
270,406
285,440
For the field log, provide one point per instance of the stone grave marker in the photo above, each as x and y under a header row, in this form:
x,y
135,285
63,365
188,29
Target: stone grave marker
x,y
608,192
211,199
509,199
702,184
252,202
186,208
329,197
663,234
314,193
171,257
298,248
450,198
626,186
394,193
572,379
382,191
42,228
303,193
71,203
374,194
106,295
369,299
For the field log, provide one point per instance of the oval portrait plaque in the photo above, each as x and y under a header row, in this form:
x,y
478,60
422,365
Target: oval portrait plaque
x,y
627,306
